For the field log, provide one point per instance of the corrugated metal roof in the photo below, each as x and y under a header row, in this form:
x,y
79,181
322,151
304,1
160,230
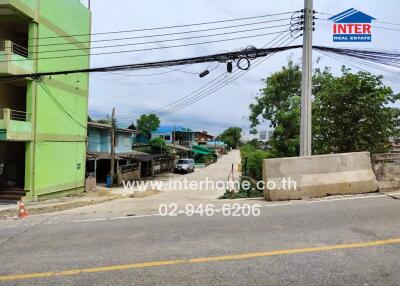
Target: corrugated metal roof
x,y
140,156
106,126
166,128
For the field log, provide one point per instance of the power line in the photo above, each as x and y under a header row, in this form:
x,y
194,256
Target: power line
x,y
373,26
211,83
215,86
57,103
140,84
156,74
150,49
162,35
383,22
346,60
388,58
221,57
171,27
161,41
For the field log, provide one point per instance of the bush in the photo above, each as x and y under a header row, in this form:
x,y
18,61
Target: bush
x,y
254,163
246,149
251,192
158,145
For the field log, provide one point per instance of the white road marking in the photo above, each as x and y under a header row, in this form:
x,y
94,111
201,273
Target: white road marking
x,y
216,210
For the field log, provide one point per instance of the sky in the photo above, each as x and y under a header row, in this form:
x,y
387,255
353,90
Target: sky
x,y
145,91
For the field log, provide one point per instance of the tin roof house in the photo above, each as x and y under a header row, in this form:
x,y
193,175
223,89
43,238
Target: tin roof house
x,y
175,134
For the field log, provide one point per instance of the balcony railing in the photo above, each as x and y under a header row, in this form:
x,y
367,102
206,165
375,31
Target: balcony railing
x,y
14,114
15,124
19,50
9,47
14,58
19,115
187,144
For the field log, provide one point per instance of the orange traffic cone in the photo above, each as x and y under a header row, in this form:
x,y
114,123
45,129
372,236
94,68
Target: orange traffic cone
x,y
22,211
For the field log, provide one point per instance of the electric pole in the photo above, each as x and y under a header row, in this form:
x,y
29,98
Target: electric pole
x,y
112,131
306,81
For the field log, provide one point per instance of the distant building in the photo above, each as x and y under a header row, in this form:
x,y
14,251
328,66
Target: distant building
x,y
203,136
218,146
129,164
175,135
265,135
99,138
99,153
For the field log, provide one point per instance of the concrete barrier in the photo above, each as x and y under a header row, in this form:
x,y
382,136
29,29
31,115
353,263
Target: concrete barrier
x,y
387,170
318,176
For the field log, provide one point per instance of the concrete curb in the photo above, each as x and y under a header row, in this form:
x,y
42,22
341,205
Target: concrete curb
x,y
46,207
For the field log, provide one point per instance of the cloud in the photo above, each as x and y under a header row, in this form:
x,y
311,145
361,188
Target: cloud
x,y
228,106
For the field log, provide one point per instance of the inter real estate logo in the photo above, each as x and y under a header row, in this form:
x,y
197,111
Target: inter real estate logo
x,y
352,26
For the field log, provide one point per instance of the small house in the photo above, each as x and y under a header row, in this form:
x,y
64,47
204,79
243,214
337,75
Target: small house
x,y
99,153
178,135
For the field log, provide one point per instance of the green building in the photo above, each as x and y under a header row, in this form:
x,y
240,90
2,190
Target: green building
x,y
43,121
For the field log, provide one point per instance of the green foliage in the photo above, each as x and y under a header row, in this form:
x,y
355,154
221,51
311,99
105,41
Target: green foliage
x,y
251,192
158,145
279,103
254,163
106,120
148,123
396,119
351,113
231,137
132,126
206,159
246,150
255,143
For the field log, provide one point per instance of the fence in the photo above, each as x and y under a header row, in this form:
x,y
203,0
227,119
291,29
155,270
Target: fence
x,y
14,48
15,114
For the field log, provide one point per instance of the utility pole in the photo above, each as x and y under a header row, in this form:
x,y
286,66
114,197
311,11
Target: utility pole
x,y
173,137
306,81
112,131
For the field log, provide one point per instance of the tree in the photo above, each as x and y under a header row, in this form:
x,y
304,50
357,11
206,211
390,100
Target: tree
x,y
148,123
106,120
231,136
132,126
279,103
158,145
351,113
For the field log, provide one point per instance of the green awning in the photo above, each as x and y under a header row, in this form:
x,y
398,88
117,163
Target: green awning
x,y
202,148
200,152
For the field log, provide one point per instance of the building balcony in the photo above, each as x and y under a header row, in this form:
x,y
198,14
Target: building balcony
x,y
184,143
15,125
14,59
26,9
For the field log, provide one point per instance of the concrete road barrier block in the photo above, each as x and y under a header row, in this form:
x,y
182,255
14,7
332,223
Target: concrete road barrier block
x,y
318,176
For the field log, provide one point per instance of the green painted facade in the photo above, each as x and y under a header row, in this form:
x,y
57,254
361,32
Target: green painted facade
x,y
56,150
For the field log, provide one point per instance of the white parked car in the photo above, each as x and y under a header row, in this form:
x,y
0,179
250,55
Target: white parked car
x,y
184,166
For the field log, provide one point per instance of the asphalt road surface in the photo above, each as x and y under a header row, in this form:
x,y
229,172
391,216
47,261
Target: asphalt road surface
x,y
346,241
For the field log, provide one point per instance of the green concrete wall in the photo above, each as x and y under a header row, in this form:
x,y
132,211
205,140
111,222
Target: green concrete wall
x,y
55,160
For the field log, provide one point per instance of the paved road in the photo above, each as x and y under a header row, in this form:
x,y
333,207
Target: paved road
x,y
335,241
